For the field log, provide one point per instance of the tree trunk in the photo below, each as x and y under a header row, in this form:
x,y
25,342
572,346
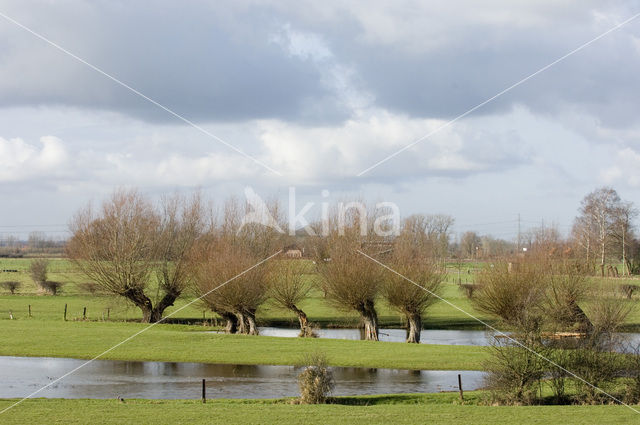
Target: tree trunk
x,y
250,317
624,253
242,323
232,322
414,327
588,248
166,302
137,297
370,319
581,318
305,329
602,257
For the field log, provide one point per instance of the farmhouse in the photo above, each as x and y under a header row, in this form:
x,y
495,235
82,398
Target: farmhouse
x,y
293,251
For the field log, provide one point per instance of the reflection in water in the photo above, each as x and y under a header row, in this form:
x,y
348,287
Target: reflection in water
x,y
427,336
109,379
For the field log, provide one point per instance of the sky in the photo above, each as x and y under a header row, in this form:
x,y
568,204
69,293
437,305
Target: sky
x,y
219,96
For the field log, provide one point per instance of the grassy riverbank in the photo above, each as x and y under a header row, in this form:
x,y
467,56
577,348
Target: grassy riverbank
x,y
440,408
182,343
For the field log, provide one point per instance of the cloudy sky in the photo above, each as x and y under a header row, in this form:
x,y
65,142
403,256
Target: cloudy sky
x,y
314,93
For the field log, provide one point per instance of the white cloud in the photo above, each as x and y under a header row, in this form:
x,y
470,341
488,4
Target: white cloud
x,y
343,151
20,160
626,169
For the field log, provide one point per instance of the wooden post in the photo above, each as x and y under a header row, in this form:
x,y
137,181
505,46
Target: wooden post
x,y
84,314
204,391
29,310
108,311
460,387
65,312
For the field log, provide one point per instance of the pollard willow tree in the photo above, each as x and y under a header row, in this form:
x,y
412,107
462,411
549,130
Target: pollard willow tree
x,y
417,282
227,283
289,286
349,279
223,266
130,249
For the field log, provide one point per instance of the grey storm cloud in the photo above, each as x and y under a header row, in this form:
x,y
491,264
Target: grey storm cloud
x,y
203,61
320,91
217,61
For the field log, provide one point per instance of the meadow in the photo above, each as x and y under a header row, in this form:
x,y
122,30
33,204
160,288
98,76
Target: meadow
x,y
442,408
186,337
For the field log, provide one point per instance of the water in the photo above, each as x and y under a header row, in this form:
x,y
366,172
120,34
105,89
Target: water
x,y
21,376
431,336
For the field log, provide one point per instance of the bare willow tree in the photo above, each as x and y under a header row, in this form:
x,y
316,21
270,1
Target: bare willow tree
x,y
289,285
429,234
350,280
221,264
126,243
182,222
414,296
566,288
514,295
412,299
227,284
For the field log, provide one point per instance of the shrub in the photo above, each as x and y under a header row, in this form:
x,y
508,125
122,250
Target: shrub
x,y
469,289
628,290
598,370
316,380
38,270
632,366
51,287
11,286
558,376
514,372
90,287
513,295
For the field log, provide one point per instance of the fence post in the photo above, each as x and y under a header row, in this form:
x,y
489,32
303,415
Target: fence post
x,y
460,387
29,310
84,314
204,391
65,312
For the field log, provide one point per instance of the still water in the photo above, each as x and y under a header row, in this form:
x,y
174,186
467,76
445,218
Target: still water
x,y
21,376
427,336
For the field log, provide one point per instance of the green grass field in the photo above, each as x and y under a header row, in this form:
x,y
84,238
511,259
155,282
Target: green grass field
x,y
188,344
405,409
111,320
319,310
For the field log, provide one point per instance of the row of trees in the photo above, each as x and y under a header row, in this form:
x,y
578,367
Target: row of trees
x,y
153,255
604,229
602,233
